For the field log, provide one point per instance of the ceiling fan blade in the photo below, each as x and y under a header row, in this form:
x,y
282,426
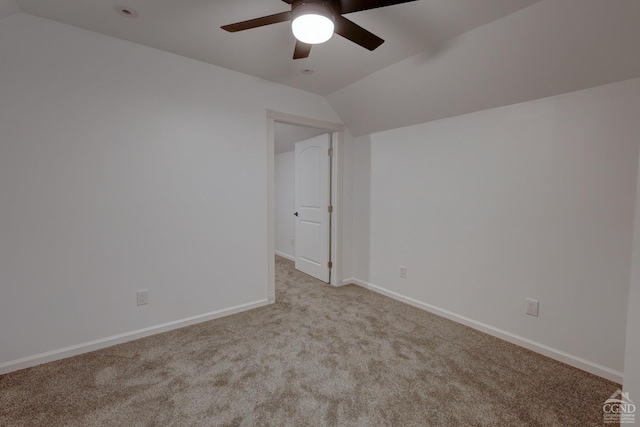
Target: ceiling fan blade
x,y
352,31
350,6
302,50
288,1
258,22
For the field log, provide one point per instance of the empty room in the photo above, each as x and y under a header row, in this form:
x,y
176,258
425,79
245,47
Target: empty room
x,y
319,212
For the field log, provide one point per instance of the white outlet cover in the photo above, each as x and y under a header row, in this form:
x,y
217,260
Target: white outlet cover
x,y
532,307
142,297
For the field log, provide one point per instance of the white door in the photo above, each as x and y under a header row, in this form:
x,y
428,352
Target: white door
x,y
312,163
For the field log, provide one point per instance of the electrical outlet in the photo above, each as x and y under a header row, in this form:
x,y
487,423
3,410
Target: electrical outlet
x,y
403,272
532,307
143,297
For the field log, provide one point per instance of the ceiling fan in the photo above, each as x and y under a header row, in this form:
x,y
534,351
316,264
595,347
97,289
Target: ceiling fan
x,y
315,21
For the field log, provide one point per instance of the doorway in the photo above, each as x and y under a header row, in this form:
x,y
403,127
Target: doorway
x,y
303,198
335,137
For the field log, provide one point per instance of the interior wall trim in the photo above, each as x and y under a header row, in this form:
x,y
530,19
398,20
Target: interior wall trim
x,y
287,256
337,191
545,350
74,350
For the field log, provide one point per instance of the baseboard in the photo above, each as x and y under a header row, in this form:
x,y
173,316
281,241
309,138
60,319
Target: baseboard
x,y
74,350
287,256
545,350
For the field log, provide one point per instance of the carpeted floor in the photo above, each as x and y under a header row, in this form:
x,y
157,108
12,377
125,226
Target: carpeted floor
x,y
320,356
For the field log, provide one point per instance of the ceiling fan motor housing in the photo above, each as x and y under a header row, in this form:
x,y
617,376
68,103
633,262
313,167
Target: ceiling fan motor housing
x,y
319,7
315,21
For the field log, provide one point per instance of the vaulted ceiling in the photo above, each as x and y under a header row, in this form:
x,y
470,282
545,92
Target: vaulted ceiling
x,y
441,57
192,28
549,48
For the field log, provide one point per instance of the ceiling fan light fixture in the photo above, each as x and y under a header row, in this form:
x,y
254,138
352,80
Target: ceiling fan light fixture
x,y
313,23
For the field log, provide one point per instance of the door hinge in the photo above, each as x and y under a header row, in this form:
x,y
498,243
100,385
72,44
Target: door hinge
x,y
330,265
330,152
330,209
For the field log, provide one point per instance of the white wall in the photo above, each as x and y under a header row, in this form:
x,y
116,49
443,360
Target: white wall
x,y
285,179
347,207
530,200
7,8
361,205
123,168
632,354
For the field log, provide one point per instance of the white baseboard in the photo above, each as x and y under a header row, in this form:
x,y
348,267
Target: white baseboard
x,y
553,353
74,350
287,256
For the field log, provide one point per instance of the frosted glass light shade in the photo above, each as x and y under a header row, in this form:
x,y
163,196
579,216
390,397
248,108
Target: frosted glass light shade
x,y
312,23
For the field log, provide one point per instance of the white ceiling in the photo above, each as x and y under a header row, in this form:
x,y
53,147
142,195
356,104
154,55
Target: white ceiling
x,y
8,7
192,28
441,58
549,48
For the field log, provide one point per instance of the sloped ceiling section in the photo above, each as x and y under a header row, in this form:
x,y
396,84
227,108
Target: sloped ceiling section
x,y
8,7
549,48
192,28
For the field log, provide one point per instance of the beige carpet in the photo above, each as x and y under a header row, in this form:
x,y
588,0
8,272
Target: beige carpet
x,y
319,356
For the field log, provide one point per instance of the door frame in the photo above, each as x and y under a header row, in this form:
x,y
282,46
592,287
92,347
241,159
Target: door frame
x,y
337,130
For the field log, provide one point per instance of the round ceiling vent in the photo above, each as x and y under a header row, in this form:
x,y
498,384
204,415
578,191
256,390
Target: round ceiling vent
x,y
127,12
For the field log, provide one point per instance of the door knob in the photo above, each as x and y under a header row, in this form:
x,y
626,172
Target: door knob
x,y
295,213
